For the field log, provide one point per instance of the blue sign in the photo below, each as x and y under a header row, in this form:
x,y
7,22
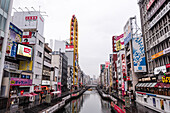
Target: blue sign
x,y
127,39
138,54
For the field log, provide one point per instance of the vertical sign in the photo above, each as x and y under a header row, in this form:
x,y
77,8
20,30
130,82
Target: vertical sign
x,y
138,54
107,64
127,32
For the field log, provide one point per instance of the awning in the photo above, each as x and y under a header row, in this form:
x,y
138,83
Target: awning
x,y
138,84
153,84
143,84
146,84
149,85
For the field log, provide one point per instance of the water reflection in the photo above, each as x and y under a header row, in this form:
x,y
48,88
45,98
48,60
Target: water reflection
x,y
89,102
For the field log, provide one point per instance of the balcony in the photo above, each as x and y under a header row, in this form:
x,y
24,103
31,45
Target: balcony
x,y
47,64
48,55
47,73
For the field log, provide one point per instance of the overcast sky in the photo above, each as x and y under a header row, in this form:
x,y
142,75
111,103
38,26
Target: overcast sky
x,y
98,21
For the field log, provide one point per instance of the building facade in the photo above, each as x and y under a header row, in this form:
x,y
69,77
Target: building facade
x,y
5,18
155,23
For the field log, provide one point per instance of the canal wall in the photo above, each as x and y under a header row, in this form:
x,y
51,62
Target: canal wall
x,y
64,101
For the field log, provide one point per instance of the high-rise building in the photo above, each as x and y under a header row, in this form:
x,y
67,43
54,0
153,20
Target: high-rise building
x,y
32,24
155,22
5,18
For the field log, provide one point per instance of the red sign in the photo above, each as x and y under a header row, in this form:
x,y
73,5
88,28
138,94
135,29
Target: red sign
x,y
118,109
107,64
27,50
22,92
149,4
31,18
167,65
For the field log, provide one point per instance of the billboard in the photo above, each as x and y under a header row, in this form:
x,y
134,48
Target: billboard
x,y
20,82
119,42
15,36
29,37
127,32
138,55
25,65
69,47
29,20
25,51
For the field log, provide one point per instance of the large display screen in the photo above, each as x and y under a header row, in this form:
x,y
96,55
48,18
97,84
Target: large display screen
x,y
24,50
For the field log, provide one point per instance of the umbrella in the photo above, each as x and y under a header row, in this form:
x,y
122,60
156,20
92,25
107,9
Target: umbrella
x,y
27,95
34,94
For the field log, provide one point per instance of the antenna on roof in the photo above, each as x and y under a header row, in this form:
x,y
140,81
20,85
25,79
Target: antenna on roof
x,y
14,9
27,9
33,8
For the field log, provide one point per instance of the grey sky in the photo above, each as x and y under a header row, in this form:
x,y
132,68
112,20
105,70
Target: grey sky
x,y
98,21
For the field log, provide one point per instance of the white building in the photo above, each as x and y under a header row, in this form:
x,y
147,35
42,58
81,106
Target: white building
x,y
32,23
5,15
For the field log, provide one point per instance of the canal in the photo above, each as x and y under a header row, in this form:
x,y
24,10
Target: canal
x,y
89,102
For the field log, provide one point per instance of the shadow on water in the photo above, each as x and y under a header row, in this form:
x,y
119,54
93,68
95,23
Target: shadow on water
x,y
89,102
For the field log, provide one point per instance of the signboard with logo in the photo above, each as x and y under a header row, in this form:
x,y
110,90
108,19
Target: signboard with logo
x,y
119,42
138,55
24,50
25,65
29,37
167,65
15,35
107,64
157,70
20,82
69,47
157,55
10,65
127,32
45,82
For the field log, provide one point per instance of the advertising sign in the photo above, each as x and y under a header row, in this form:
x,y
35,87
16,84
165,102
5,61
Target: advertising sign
x,y
138,55
24,50
69,47
45,82
29,38
157,55
15,35
119,42
20,82
114,43
155,8
167,65
102,67
25,65
127,32
107,64
159,69
165,51
10,65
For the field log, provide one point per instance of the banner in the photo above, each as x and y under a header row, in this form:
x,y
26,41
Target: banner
x,y
138,55
20,82
25,65
15,35
29,37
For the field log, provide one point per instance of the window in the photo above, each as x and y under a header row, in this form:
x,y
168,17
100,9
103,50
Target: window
x,y
3,23
39,54
36,76
7,5
2,4
40,43
38,65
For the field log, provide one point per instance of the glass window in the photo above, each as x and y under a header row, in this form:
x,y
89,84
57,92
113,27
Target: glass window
x,y
2,4
7,5
3,23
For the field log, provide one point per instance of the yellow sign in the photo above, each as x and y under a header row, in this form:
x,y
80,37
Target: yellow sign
x,y
118,45
25,65
157,55
166,79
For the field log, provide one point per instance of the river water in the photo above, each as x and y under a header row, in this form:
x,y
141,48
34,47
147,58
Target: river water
x,y
89,102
